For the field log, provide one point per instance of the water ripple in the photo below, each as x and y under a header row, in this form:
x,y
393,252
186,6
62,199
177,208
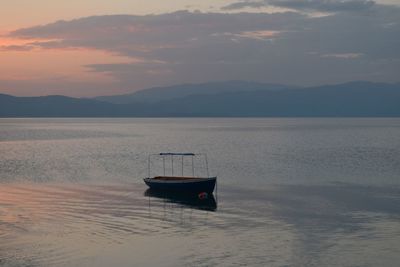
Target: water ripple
x,y
64,224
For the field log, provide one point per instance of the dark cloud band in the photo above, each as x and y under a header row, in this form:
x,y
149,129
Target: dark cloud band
x,y
313,5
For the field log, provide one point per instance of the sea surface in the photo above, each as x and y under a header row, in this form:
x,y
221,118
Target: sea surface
x,y
291,192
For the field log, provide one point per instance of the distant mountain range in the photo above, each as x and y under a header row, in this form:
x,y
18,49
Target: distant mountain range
x,y
157,94
222,99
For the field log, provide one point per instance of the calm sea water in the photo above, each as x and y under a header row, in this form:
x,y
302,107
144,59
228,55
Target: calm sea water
x,y
291,192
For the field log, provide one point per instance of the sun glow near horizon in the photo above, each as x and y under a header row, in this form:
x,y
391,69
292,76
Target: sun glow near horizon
x,y
25,63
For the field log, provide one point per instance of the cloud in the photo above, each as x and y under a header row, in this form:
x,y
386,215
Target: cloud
x,y
288,47
16,47
343,56
244,4
176,37
312,5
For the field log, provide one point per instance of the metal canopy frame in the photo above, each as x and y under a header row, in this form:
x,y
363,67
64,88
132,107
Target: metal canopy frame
x,y
171,156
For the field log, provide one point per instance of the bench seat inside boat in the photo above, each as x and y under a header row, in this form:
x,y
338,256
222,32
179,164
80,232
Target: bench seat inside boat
x,y
174,178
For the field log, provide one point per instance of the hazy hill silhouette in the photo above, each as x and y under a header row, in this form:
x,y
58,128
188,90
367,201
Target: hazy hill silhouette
x,y
52,106
157,94
355,99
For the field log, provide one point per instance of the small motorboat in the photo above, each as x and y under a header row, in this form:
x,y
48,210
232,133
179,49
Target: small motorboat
x,y
192,184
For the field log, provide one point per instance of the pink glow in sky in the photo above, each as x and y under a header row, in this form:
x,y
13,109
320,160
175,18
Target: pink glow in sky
x,y
87,48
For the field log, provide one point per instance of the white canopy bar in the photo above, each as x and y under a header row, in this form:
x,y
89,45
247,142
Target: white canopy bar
x,y
177,154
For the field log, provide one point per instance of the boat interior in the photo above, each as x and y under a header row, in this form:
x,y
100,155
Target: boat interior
x,y
174,178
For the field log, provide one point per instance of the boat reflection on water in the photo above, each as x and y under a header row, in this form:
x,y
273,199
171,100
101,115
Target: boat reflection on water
x,y
197,201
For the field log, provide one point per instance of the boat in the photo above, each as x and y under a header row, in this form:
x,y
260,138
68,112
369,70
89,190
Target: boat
x,y
183,183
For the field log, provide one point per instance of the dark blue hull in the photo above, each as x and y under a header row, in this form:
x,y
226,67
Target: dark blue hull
x,y
185,198
191,185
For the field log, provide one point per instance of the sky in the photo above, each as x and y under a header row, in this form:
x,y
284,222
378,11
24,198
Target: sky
x,y
101,47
